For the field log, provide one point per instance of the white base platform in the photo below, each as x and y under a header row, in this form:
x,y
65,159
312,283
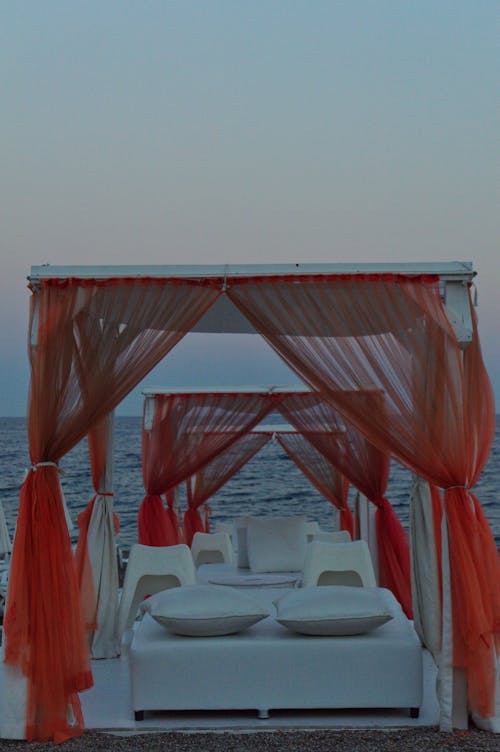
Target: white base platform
x,y
267,667
108,706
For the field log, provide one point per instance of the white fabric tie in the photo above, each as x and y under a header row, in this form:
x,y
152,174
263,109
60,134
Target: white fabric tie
x,y
44,464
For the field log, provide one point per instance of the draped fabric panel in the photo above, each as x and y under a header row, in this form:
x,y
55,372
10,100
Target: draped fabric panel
x,y
154,523
90,342
187,432
95,557
193,522
210,478
431,408
367,468
426,564
323,475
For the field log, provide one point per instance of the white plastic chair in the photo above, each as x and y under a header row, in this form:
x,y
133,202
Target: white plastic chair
x,y
149,570
312,529
211,548
338,564
339,536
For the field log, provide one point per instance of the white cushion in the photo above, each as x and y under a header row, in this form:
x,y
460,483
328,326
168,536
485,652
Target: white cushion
x,y
332,610
276,544
204,610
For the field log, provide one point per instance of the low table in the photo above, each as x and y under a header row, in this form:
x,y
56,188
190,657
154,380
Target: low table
x,y
267,667
227,574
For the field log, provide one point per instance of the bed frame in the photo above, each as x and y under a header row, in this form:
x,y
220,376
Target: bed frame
x,y
267,667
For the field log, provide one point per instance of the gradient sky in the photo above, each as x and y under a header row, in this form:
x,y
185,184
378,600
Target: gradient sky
x,y
216,132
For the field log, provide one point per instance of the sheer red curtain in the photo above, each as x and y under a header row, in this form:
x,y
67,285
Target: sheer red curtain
x,y
90,342
367,468
391,333
185,433
210,478
323,475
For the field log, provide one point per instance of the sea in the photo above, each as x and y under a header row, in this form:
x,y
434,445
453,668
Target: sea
x,y
270,484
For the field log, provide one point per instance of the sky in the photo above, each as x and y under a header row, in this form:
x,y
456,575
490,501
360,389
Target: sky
x,y
244,132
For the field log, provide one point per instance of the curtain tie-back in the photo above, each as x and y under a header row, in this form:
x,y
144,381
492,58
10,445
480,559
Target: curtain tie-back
x,y
104,493
36,465
466,488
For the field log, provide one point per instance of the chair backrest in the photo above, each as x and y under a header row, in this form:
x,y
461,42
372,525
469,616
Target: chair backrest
x,y
338,564
339,536
149,570
312,529
211,548
225,527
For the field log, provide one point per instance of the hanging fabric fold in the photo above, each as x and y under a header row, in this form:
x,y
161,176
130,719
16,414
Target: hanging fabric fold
x,y
96,557
90,342
430,405
425,512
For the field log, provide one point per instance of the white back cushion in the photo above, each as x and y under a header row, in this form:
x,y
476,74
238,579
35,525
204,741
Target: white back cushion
x,y
276,544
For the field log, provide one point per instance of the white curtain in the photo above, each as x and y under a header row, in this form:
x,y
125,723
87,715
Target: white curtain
x,y
101,547
424,568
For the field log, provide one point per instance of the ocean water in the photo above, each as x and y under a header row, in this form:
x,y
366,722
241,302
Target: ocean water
x,y
269,484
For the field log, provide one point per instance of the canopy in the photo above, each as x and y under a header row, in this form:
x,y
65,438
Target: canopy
x,y
407,332
338,443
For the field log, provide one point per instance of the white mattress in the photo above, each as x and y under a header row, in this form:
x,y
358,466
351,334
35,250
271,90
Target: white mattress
x,y
269,667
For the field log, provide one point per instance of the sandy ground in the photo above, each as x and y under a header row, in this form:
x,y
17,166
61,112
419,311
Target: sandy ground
x,y
408,740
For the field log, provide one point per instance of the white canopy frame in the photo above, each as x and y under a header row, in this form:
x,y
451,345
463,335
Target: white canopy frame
x,y
224,317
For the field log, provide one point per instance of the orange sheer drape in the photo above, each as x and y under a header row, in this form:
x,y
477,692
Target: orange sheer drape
x,y
323,475
207,481
154,524
367,468
90,343
187,432
158,522
391,333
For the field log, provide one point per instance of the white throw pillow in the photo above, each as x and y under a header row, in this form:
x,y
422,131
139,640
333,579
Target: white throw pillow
x,y
332,610
204,610
276,544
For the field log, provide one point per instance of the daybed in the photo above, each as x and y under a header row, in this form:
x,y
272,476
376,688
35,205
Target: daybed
x,y
267,667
